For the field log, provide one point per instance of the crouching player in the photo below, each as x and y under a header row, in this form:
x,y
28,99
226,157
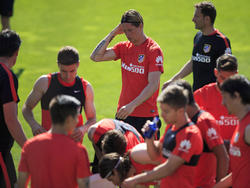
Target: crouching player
x,y
181,144
53,159
116,168
98,131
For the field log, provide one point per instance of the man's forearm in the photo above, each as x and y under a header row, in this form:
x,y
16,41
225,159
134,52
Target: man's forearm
x,y
16,131
29,117
185,70
100,49
89,122
146,93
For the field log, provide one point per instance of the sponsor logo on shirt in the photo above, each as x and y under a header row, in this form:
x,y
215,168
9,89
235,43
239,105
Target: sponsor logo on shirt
x,y
140,58
212,134
228,51
159,61
201,58
234,151
185,145
133,68
227,121
207,48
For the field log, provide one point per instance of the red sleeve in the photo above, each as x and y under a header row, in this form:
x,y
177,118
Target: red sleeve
x,y
83,167
209,130
156,60
23,165
117,50
198,97
188,143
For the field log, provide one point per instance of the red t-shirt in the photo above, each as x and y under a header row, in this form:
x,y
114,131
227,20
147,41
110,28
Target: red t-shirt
x,y
209,98
136,63
54,160
205,177
106,125
240,155
188,143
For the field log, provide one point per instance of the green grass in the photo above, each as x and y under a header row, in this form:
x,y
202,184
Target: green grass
x,y
45,26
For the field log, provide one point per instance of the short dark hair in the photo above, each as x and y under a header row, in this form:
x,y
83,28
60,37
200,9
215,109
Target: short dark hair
x,y
133,17
9,43
240,84
207,9
63,106
227,62
108,163
187,86
175,96
114,141
68,55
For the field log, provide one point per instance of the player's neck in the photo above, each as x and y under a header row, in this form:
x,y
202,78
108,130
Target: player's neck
x,y
192,110
141,40
57,129
5,61
208,30
242,111
181,120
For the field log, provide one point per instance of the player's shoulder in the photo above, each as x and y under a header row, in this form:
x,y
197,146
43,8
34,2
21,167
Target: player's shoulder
x,y
152,44
206,88
205,116
192,129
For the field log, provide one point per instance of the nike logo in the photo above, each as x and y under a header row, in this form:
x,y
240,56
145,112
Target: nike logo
x,y
77,91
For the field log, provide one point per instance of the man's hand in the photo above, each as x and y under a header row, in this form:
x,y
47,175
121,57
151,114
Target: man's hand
x,y
166,84
129,183
125,111
118,30
37,129
77,134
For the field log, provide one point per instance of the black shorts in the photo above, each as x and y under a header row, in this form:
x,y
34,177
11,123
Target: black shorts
x,y
9,163
6,7
139,122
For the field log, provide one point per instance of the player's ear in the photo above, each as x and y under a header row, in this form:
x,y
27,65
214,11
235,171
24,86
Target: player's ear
x,y
215,72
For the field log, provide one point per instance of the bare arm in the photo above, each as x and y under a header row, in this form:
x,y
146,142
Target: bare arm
x,y
140,155
90,113
91,131
34,97
101,53
22,181
12,122
89,108
154,148
226,182
185,70
222,161
83,182
147,92
165,169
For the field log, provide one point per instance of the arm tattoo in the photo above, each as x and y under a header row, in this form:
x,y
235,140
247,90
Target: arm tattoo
x,y
100,45
111,38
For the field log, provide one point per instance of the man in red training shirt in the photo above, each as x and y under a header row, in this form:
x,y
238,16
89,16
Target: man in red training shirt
x,y
209,97
236,98
53,159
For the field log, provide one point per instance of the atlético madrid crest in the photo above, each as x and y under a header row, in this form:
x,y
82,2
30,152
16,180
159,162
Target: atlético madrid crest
x,y
207,48
140,58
